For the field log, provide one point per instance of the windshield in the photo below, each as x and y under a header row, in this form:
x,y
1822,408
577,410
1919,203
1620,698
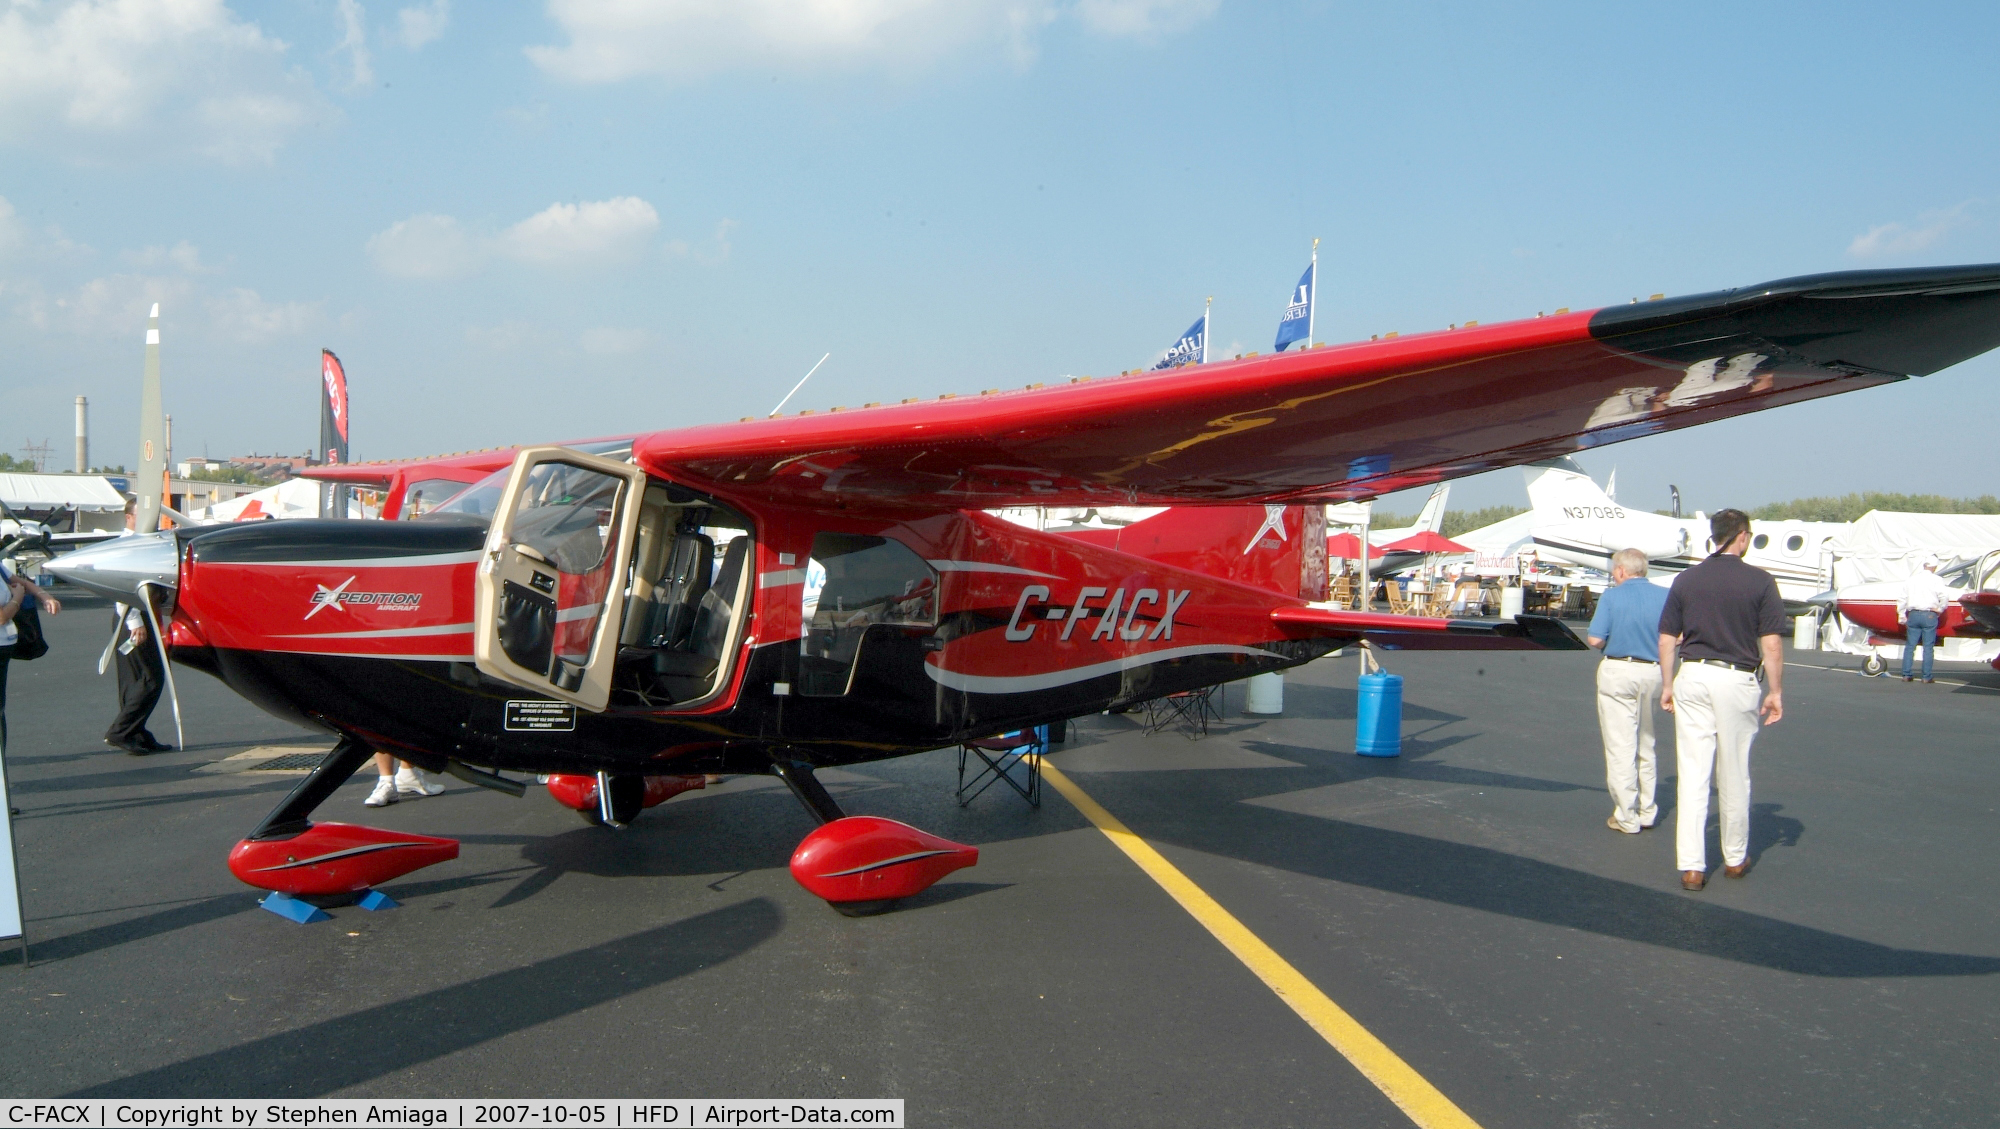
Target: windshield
x,y
477,502
474,504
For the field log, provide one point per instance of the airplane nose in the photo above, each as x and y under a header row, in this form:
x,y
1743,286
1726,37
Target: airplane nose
x,y
116,568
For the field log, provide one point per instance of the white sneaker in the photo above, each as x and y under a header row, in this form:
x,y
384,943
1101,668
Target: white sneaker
x,y
416,782
384,793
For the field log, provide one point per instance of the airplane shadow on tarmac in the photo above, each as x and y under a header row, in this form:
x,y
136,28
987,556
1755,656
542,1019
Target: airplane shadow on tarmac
x,y
396,1036
1529,889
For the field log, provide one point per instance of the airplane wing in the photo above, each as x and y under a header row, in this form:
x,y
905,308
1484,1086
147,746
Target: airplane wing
x,y
378,475
1423,633
1356,421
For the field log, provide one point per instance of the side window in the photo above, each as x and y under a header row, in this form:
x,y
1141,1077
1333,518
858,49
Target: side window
x,y
420,498
854,582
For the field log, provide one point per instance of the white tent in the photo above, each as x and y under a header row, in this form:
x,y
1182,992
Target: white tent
x,y
1888,546
292,498
54,491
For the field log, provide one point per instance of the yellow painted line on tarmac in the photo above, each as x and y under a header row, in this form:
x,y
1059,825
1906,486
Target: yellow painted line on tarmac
x,y
1413,1094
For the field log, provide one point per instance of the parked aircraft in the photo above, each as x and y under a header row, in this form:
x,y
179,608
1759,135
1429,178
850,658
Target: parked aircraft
x,y
1429,520
1577,523
636,609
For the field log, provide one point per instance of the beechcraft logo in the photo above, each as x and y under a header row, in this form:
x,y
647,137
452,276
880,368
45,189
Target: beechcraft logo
x,y
341,599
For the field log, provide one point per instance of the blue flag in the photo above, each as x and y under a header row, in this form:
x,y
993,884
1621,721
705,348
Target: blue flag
x,y
1189,349
1296,325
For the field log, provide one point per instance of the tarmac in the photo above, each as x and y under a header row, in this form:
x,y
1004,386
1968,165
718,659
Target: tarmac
x,y
1464,903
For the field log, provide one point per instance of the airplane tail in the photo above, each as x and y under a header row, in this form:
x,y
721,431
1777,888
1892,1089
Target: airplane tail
x,y
1280,548
1431,520
1558,484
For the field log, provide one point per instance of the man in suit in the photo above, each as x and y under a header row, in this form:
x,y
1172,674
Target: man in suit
x,y
140,680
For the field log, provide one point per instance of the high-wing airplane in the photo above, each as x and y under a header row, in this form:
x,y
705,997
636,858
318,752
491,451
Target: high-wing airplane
x,y
637,608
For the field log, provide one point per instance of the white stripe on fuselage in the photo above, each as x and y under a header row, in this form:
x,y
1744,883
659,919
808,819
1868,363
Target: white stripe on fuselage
x,y
1048,680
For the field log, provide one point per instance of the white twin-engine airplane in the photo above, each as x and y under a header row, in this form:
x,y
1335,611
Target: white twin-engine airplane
x,y
1576,522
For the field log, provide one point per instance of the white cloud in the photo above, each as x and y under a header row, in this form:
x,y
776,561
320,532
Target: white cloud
x,y
99,79
1904,239
679,248
425,246
682,40
11,235
1143,19
424,22
608,342
244,316
354,41
506,336
107,306
183,255
580,234
591,234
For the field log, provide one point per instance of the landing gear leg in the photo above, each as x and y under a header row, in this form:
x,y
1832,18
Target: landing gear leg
x,y
290,816
798,776
863,864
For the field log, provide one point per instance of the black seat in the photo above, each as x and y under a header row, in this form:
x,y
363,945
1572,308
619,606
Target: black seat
x,y
685,672
681,589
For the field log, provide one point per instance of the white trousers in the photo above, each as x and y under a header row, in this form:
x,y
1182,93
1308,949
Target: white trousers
x,y
1715,720
1626,692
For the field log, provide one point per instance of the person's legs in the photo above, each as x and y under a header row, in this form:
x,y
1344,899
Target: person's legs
x,y
1911,634
1647,684
1736,699
1930,641
411,781
1617,723
153,677
385,782
1694,756
138,692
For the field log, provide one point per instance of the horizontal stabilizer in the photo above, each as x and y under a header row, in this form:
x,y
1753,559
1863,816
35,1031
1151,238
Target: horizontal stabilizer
x,y
1423,633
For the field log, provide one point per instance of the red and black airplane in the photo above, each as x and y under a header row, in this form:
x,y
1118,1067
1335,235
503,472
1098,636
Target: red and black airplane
x,y
780,595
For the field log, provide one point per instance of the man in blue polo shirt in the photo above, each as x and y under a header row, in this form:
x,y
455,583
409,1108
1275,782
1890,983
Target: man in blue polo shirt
x,y
1627,629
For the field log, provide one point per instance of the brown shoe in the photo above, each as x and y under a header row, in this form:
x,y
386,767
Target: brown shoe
x,y
1611,821
1739,870
1693,879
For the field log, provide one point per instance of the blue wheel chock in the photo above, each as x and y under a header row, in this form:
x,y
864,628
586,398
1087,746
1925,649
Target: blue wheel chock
x,y
377,900
305,913
292,909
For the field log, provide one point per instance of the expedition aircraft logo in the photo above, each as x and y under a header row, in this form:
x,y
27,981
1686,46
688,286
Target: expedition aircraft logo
x,y
339,598
1274,522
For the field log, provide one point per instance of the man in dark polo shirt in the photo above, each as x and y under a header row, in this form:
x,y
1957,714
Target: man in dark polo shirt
x,y
1725,623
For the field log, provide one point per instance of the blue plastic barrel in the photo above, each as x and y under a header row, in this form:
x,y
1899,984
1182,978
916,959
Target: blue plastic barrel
x,y
1378,717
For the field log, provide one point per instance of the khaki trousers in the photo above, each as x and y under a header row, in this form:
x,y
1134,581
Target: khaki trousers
x,y
1715,720
1626,692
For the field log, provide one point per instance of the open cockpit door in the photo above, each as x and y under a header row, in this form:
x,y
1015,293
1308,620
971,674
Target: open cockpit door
x,y
551,586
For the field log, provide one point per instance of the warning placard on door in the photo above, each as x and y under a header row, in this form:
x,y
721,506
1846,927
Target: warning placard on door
x,y
541,716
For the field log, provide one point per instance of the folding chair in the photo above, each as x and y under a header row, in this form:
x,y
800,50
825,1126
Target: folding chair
x,y
1188,712
1398,603
1004,758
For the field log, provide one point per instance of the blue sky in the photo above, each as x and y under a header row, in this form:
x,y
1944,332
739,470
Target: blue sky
x,y
525,222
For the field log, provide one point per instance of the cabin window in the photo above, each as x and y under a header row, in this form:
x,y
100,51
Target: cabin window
x,y
1794,543
1759,541
420,498
854,583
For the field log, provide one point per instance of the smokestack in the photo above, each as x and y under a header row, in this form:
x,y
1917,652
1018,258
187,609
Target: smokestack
x,y
82,434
